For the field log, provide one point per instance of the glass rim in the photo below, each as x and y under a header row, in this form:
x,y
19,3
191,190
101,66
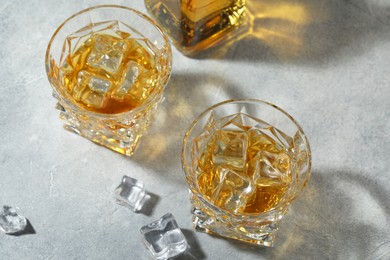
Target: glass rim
x,y
151,100
185,166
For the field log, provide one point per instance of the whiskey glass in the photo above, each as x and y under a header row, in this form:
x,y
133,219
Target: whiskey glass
x,y
244,162
118,130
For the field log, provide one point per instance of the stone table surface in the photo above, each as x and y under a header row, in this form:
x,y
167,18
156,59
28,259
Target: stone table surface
x,y
326,62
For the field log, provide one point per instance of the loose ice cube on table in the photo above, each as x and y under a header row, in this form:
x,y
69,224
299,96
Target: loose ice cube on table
x,y
107,53
163,238
11,221
130,193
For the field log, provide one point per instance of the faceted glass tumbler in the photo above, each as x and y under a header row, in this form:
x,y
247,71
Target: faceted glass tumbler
x,y
120,131
244,161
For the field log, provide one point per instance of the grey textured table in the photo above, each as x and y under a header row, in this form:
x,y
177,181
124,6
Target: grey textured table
x,y
326,62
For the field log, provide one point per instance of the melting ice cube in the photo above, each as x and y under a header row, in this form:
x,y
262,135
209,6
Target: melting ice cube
x,y
232,191
11,221
163,238
130,193
91,89
130,76
272,169
107,53
231,146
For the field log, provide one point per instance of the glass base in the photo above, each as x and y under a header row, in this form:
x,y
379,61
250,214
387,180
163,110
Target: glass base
x,y
112,144
120,134
260,235
256,231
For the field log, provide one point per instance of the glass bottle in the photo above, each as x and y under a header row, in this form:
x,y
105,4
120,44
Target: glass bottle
x,y
196,25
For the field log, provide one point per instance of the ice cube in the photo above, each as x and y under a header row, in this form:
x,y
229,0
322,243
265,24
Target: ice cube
x,y
130,76
99,85
91,89
107,53
130,193
163,238
11,221
144,52
271,175
232,191
230,148
264,140
272,169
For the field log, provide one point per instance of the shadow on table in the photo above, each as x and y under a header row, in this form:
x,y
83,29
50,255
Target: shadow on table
x,y
187,97
307,32
29,230
150,204
340,215
194,251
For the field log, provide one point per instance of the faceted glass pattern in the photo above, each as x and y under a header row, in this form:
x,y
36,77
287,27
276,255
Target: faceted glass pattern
x,y
94,88
245,161
11,221
130,193
163,238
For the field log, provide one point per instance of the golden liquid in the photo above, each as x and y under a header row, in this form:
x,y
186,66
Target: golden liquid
x,y
256,159
195,25
97,83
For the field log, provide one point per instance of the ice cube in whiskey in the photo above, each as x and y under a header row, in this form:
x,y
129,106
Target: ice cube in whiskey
x,y
108,69
245,166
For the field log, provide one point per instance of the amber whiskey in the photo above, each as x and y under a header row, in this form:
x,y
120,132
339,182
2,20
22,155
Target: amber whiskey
x,y
195,25
107,70
243,169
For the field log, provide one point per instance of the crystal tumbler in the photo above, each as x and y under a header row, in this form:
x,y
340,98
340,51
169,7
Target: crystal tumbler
x,y
108,66
244,161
